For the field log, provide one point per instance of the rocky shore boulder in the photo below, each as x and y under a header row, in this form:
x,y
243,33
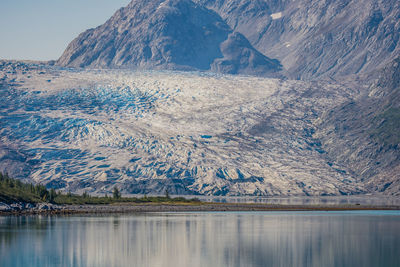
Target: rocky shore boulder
x,y
5,207
28,207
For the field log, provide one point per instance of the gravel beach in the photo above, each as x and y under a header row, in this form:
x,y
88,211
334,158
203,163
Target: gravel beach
x,y
167,207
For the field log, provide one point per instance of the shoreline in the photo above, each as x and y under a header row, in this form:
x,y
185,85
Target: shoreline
x,y
125,208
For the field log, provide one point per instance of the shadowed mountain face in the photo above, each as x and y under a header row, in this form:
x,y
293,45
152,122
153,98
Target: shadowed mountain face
x,y
173,34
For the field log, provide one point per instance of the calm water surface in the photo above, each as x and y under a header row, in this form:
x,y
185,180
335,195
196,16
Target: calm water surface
x,y
367,238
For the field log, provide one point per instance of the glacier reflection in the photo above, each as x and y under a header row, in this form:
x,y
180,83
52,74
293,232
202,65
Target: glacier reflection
x,y
203,239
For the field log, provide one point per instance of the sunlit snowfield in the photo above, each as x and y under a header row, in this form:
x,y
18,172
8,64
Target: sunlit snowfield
x,y
143,131
347,239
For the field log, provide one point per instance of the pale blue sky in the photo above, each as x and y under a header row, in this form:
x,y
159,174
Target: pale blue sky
x,y
42,29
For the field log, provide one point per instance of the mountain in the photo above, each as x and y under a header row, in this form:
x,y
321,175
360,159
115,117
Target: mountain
x,y
311,39
172,34
317,38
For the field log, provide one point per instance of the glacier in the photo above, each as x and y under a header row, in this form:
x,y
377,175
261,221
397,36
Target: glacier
x,y
148,131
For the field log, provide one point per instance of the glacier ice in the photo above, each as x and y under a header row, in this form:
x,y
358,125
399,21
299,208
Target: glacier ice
x,y
193,133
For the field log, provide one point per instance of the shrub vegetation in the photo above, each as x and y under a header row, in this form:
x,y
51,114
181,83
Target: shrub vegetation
x,y
13,190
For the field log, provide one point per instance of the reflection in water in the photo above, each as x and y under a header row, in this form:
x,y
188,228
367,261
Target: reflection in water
x,y
309,200
204,239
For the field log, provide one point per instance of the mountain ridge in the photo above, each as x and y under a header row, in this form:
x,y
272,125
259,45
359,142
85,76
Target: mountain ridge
x,y
307,39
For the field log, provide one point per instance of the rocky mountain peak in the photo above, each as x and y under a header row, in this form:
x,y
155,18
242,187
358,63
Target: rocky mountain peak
x,y
172,34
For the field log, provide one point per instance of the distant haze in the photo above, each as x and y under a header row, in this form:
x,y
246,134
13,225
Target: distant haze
x,y
42,29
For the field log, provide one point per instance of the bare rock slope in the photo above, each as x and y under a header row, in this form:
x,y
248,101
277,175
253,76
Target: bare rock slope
x,y
364,134
314,38
310,38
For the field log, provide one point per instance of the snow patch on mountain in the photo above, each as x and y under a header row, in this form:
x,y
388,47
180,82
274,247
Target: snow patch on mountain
x,y
277,15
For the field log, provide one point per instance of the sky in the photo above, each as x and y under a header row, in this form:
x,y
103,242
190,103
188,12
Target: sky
x,y
42,29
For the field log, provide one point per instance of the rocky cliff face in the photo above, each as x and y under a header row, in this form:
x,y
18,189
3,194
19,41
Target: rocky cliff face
x,y
172,34
315,38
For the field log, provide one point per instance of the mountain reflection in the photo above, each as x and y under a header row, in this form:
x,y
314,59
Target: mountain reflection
x,y
203,239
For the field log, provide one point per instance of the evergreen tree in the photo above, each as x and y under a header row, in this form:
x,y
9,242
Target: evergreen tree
x,y
116,193
52,195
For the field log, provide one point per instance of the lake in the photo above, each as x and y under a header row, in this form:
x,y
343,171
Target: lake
x,y
356,238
